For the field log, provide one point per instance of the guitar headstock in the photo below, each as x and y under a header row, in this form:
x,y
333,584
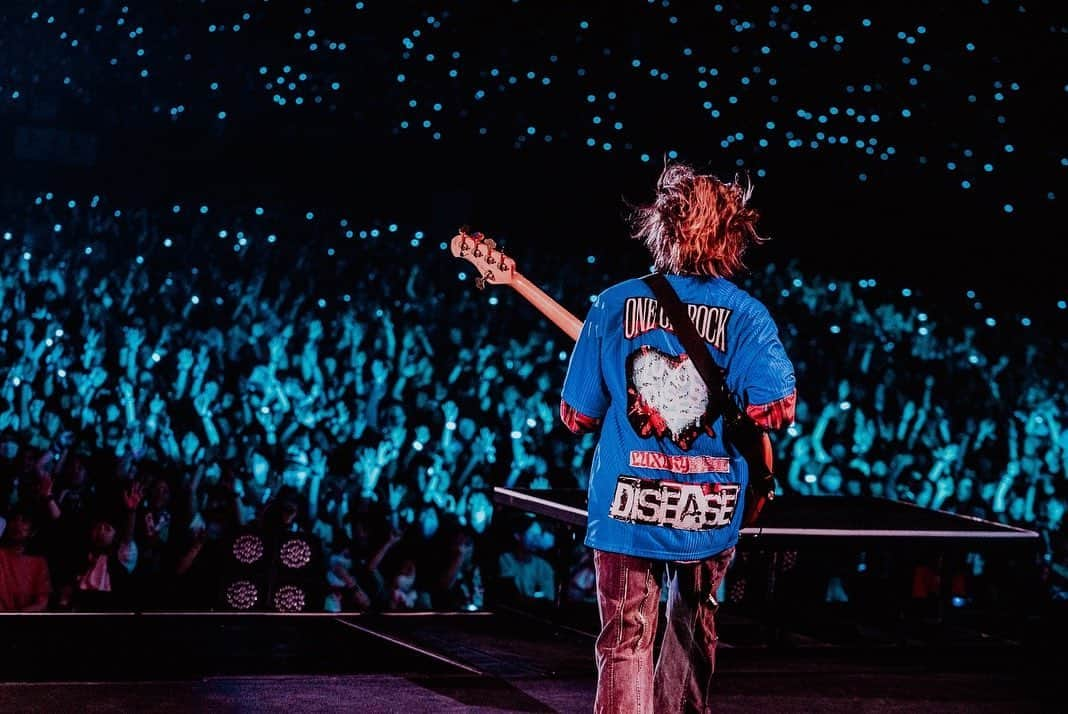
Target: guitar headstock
x,y
493,265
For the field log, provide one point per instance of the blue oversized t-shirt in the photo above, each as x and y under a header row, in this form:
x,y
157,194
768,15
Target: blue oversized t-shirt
x,y
662,484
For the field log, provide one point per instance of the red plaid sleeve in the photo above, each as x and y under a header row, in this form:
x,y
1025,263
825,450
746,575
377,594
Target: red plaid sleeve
x,y
576,421
774,415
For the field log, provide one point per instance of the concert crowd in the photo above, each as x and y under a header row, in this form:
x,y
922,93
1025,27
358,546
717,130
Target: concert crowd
x,y
159,401
200,396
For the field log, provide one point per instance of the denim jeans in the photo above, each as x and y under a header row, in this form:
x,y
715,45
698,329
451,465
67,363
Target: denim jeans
x,y
628,597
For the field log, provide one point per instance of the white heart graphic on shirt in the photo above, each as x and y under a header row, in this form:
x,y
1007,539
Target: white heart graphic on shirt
x,y
672,386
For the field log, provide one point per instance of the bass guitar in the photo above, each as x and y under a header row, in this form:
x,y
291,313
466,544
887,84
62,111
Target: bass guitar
x,y
497,268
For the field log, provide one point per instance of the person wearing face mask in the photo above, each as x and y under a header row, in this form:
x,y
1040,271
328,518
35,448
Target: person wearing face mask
x,y
403,595
100,578
524,575
344,593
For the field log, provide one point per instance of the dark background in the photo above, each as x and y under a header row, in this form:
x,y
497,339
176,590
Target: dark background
x,y
909,224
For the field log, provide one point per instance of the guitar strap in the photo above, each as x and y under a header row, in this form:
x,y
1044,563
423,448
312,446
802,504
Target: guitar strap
x,y
693,344
741,431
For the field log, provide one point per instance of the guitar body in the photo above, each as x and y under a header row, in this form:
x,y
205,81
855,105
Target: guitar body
x,y
754,445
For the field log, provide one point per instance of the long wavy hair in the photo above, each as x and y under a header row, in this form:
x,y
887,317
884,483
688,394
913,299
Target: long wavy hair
x,y
698,224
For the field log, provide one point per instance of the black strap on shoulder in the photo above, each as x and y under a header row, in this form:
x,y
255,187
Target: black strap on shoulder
x,y
741,431
695,347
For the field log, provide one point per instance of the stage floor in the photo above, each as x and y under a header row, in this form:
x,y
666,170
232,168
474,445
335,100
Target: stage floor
x,y
817,692
467,663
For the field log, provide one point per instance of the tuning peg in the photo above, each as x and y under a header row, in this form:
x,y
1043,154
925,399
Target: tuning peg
x,y
480,283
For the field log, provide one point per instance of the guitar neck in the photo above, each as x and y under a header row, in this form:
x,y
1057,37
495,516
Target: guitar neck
x,y
758,451
548,307
493,267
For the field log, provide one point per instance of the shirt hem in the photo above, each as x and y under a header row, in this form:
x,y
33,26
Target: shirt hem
x,y
663,554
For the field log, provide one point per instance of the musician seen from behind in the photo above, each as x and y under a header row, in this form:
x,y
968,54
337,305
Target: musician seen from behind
x,y
667,490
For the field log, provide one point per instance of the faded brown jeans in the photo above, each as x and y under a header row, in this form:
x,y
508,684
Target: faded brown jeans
x,y
628,597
